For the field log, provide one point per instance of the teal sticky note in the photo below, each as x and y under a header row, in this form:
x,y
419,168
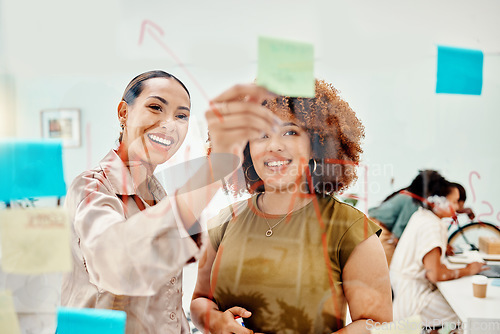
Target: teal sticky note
x,y
90,321
286,67
459,71
30,169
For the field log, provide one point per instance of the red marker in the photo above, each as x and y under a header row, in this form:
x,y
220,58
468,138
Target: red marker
x,y
239,320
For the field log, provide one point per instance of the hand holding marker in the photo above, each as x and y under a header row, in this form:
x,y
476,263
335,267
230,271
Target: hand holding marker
x,y
239,320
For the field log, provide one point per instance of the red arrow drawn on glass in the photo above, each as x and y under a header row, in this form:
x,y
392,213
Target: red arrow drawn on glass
x,y
144,25
154,30
472,186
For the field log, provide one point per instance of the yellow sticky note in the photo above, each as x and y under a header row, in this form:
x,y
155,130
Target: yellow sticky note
x,y
35,240
8,316
411,325
286,67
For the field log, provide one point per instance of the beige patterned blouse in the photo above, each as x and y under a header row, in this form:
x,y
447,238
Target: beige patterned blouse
x,y
125,258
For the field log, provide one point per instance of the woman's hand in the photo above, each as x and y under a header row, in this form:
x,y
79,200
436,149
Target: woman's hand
x,y
450,250
476,267
468,212
438,272
225,323
204,312
237,116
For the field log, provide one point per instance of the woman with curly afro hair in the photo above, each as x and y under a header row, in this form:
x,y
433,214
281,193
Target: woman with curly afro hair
x,y
290,258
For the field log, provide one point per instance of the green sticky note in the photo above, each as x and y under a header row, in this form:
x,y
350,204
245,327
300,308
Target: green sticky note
x,y
286,67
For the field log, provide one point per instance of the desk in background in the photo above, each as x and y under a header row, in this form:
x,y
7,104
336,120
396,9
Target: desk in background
x,y
477,313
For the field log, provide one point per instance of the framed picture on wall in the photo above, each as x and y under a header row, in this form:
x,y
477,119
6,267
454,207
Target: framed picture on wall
x,y
62,124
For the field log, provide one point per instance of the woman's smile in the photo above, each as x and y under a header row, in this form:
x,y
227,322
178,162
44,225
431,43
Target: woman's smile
x,y
160,141
277,165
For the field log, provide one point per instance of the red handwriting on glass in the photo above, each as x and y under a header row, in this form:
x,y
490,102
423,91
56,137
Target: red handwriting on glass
x,y
491,212
46,220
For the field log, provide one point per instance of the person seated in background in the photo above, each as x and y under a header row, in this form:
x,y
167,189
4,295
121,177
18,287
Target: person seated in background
x,y
461,202
416,265
450,250
393,214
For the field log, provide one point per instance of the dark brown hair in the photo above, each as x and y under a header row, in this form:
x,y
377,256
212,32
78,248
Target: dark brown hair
x,y
335,134
463,194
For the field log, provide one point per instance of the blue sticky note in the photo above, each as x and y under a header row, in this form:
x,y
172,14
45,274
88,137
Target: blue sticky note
x,y
90,321
495,282
31,169
459,71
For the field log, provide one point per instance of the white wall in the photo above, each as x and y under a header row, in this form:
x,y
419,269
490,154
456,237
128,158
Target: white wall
x,y
7,112
380,54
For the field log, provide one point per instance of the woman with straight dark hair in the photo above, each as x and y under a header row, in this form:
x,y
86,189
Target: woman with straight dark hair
x,y
395,211
130,240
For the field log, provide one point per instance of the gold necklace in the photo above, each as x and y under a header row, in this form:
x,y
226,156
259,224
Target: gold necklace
x,y
270,231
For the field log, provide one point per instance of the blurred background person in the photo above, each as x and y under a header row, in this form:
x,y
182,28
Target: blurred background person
x,y
417,262
393,214
461,202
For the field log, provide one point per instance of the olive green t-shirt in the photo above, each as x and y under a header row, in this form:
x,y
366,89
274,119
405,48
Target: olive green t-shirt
x,y
292,280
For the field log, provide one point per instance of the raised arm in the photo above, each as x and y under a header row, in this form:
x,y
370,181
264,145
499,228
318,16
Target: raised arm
x,y
367,286
133,256
234,117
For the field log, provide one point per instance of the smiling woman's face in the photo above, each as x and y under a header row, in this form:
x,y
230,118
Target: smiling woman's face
x,y
156,122
280,158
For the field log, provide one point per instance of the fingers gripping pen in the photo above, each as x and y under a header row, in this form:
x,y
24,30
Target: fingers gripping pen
x,y
239,320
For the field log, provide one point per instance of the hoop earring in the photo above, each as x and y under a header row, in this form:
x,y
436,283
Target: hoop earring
x,y
248,177
315,166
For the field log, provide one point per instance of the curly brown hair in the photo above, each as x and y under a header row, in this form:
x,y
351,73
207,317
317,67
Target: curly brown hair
x,y
335,134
